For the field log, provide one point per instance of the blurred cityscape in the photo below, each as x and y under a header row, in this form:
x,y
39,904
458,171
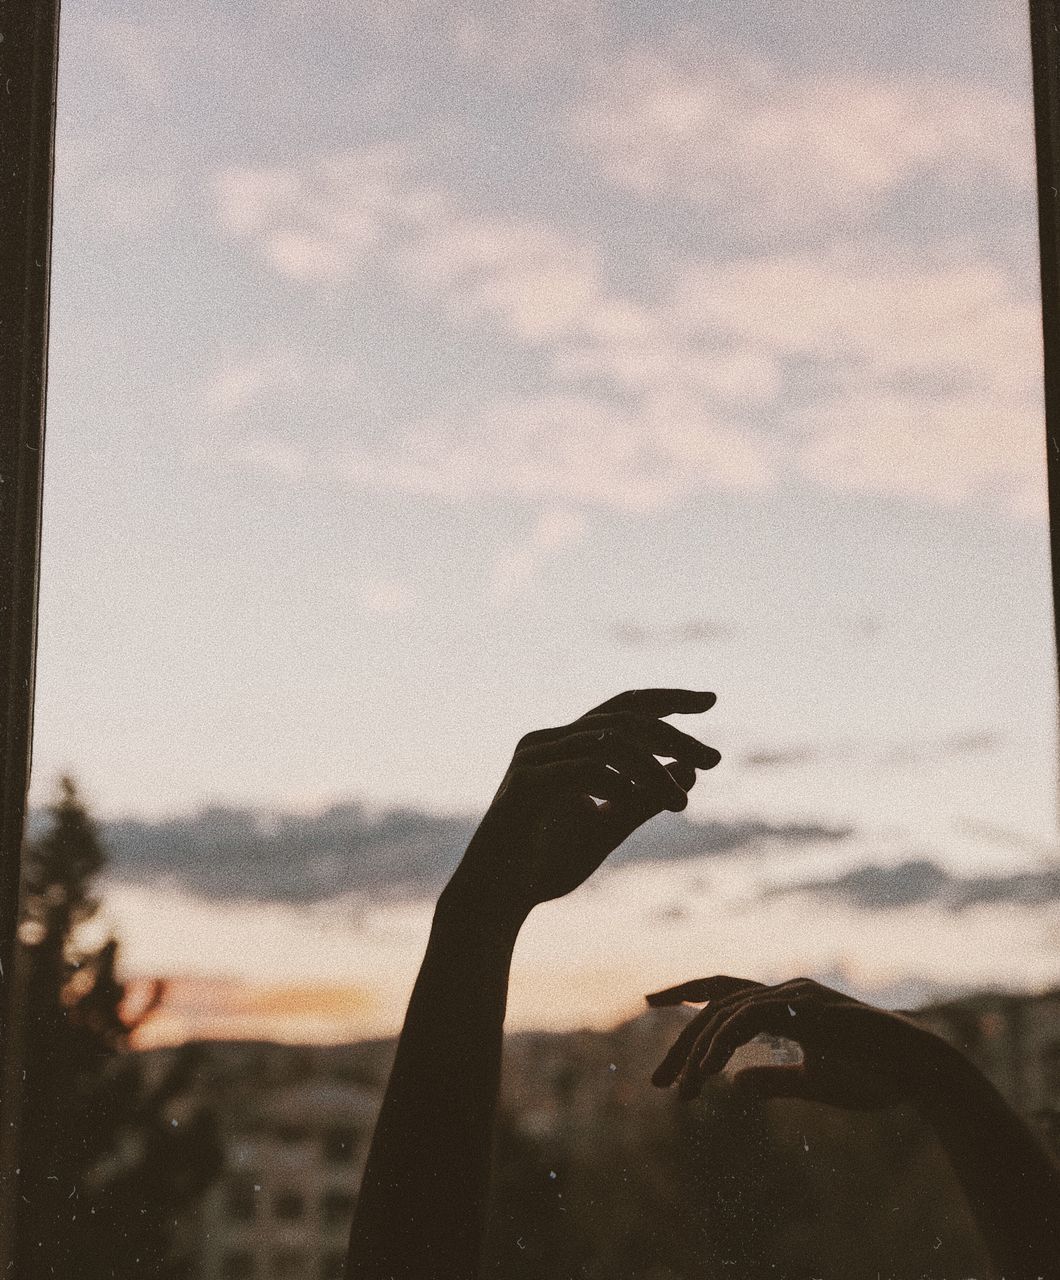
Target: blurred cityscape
x,y
598,1174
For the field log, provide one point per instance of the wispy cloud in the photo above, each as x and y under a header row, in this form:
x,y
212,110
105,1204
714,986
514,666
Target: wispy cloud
x,y
779,757
911,752
925,379
918,379
873,887
530,277
797,151
693,631
237,854
556,448
317,222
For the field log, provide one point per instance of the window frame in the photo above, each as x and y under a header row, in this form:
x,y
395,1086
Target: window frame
x,y
28,64
1045,71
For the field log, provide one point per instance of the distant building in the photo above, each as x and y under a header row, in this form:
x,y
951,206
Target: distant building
x,y
1015,1041
296,1120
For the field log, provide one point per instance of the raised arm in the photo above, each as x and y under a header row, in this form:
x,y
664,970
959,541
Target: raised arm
x,y
422,1206
862,1058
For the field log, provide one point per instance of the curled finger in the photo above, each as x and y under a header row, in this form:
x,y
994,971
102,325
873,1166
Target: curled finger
x,y
585,775
677,1056
774,1014
699,990
658,702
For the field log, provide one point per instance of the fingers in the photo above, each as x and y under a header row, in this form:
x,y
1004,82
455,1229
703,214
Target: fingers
x,y
658,736
624,817
726,995
699,990
716,989
659,788
672,1065
662,788
626,734
683,774
720,1039
658,702
585,774
853,1055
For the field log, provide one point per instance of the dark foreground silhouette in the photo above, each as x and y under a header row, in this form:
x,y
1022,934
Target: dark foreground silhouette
x,y
422,1209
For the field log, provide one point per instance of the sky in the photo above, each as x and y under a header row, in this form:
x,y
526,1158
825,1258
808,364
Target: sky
x,y
422,375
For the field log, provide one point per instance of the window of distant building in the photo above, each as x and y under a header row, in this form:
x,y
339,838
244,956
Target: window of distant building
x,y
288,1205
288,1263
1051,1069
238,1265
291,1133
336,1207
340,1145
186,1267
333,1265
240,1197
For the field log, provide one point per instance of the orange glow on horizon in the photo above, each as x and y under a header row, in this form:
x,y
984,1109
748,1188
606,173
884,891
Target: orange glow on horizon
x,y
196,1008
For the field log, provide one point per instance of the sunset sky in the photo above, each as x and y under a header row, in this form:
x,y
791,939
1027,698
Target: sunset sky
x,y
424,374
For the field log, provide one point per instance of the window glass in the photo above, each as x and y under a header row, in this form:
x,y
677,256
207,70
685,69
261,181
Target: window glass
x,y
289,1205
422,375
238,1265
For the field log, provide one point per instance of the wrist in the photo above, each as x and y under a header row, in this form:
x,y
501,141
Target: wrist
x,y
954,1093
470,911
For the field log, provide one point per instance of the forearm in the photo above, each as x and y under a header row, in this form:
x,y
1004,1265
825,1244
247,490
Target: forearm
x,y
1012,1185
422,1205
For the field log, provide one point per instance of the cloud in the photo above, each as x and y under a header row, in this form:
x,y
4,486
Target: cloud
x,y
921,880
318,222
926,377
779,758
673,838
946,451
569,447
795,151
950,746
917,376
912,752
625,441
693,631
515,567
551,448
238,854
326,219
956,319
259,855
535,280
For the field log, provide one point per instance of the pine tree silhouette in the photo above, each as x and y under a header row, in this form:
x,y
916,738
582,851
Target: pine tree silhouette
x,y
104,1170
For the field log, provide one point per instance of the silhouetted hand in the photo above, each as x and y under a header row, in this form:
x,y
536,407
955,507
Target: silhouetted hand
x,y
854,1055
422,1205
544,833
863,1058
